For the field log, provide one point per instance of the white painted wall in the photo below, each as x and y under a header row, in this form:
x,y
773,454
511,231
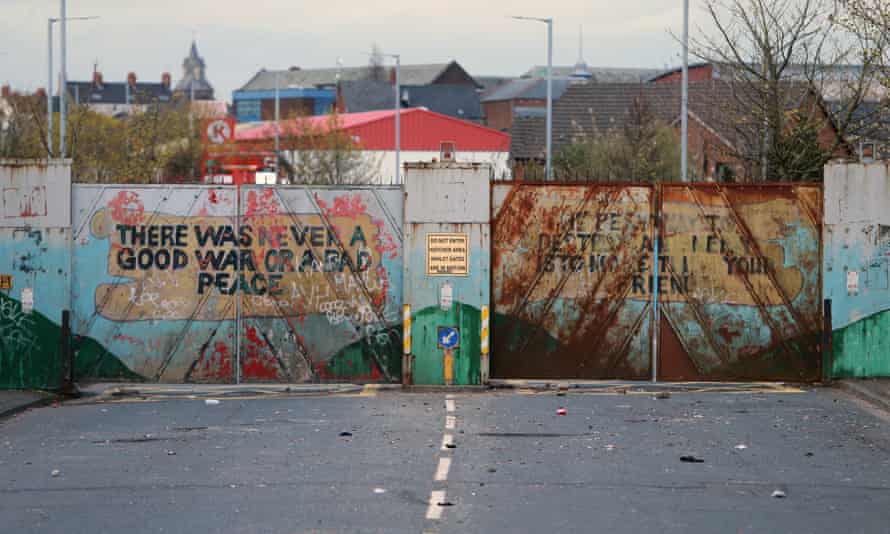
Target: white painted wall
x,y
384,162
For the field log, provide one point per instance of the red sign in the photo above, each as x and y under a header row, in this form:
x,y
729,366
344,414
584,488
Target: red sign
x,y
219,131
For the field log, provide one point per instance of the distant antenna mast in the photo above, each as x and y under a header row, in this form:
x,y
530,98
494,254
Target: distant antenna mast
x,y
339,67
580,43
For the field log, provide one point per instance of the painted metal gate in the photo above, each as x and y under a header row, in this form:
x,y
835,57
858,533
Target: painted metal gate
x,y
570,290
735,273
740,287
206,284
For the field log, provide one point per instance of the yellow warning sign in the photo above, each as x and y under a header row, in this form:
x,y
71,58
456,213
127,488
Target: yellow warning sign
x,y
447,255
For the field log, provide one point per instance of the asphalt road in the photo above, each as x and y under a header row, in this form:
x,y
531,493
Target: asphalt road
x,y
611,464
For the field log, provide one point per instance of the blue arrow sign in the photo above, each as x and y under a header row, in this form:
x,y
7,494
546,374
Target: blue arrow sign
x,y
449,337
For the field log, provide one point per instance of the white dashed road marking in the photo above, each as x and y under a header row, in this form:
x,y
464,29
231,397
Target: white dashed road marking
x,y
447,439
442,470
449,405
434,511
450,421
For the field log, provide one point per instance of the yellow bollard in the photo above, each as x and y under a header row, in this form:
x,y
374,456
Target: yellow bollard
x,y
448,367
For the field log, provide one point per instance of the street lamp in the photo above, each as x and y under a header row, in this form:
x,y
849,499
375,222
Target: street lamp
x,y
49,86
684,113
549,23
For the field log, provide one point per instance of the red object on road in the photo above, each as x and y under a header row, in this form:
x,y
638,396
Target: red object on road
x,y
561,411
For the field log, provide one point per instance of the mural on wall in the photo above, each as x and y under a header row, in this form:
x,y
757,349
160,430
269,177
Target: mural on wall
x,y
738,281
570,288
740,270
296,284
857,268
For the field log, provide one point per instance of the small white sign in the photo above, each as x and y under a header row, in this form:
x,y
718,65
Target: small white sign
x,y
446,296
852,282
27,300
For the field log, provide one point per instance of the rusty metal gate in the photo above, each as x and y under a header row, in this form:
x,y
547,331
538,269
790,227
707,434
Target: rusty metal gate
x,y
735,273
217,284
740,287
571,297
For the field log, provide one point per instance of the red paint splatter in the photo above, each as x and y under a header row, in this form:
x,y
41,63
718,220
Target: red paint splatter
x,y
258,363
217,367
351,206
262,204
212,197
384,242
126,208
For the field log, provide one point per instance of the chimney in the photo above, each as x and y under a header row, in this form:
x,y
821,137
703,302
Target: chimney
x,y
165,80
4,91
40,92
131,80
97,79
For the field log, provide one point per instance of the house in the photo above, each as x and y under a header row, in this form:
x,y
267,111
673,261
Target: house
x,y
425,136
118,98
455,100
506,100
314,91
717,123
867,131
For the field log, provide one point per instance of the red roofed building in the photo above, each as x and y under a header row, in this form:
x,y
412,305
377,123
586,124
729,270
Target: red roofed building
x,y
425,136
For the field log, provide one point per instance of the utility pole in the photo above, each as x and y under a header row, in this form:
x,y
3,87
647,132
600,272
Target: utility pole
x,y
49,85
49,88
549,126
277,119
398,120
63,82
684,114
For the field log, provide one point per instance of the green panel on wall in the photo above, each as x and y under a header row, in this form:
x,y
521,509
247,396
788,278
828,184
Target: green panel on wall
x,y
429,358
862,349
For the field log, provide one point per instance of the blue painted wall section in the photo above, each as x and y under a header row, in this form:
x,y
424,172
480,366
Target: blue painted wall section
x,y
857,268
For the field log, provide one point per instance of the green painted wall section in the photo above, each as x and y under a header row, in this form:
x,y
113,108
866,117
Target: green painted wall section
x,y
862,349
30,355
429,358
29,348
362,360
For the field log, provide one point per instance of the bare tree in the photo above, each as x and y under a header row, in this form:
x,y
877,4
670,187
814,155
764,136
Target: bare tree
x,y
642,149
323,154
780,59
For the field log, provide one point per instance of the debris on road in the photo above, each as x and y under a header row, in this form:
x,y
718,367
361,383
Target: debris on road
x,y
445,503
778,494
691,459
809,454
171,453
450,446
741,447
663,395
55,473
492,470
562,411
345,434
211,402
379,491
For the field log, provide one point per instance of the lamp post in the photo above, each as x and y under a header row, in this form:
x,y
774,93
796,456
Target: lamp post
x,y
549,135
684,113
398,88
49,81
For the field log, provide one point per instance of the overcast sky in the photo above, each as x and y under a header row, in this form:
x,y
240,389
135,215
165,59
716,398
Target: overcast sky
x,y
237,38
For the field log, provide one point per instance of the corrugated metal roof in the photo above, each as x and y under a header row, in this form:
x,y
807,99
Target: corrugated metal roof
x,y
527,88
600,74
421,130
264,80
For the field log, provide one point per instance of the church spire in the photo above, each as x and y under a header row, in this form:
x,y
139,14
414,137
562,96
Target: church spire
x,y
581,70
